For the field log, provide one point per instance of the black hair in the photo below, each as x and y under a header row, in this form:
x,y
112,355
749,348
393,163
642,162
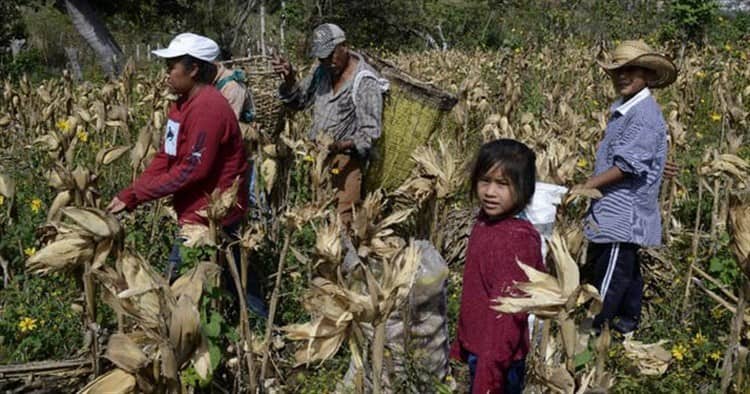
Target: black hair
x,y
517,162
206,70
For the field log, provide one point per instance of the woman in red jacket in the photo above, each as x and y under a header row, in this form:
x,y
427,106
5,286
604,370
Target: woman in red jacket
x,y
202,146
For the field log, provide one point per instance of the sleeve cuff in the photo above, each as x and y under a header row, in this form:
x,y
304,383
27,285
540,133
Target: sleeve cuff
x,y
631,166
287,96
128,197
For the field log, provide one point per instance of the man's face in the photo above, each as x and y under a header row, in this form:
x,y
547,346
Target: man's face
x,y
630,80
180,80
338,60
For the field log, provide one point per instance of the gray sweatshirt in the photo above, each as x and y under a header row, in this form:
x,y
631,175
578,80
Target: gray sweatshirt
x,y
337,113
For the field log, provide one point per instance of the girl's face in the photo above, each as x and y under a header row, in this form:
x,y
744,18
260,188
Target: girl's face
x,y
495,192
180,80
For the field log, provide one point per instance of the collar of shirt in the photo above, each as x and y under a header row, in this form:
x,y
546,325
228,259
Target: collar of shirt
x,y
623,109
220,72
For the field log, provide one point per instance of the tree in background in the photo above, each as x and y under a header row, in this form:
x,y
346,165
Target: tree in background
x,y
688,20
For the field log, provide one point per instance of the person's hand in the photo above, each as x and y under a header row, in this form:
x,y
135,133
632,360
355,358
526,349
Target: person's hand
x,y
282,67
671,169
340,146
116,206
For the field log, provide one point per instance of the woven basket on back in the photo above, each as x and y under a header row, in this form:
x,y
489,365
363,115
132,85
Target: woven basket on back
x,y
264,85
411,112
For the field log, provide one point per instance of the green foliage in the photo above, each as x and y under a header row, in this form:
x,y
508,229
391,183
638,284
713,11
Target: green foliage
x,y
689,19
37,321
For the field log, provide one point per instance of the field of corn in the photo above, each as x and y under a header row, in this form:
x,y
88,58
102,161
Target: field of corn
x,y
85,286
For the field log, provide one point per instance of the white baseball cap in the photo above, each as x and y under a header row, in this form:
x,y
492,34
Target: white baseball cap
x,y
197,46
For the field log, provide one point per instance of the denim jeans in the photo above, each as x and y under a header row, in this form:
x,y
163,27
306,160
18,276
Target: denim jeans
x,y
513,378
254,295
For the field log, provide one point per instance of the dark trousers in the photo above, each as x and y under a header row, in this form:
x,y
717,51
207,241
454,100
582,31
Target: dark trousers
x,y
514,378
254,295
616,272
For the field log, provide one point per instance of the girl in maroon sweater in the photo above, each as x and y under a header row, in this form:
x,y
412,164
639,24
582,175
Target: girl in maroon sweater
x,y
495,345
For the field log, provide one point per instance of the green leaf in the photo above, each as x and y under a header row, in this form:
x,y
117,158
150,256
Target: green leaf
x,y
582,358
232,335
215,353
717,265
212,329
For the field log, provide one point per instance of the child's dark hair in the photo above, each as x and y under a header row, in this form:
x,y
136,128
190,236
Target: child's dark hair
x,y
517,162
206,70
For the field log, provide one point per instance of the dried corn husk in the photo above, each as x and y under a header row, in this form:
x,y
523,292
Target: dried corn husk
x,y
125,353
115,381
220,202
184,329
60,255
196,235
7,186
92,220
739,227
108,155
328,242
651,359
548,296
191,283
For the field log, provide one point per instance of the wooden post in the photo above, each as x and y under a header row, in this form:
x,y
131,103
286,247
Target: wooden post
x,y
75,66
283,26
694,248
263,28
148,52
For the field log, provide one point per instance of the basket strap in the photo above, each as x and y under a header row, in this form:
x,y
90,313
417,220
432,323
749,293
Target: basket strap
x,y
383,83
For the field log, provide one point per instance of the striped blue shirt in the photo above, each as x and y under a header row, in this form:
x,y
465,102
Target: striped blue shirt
x,y
636,142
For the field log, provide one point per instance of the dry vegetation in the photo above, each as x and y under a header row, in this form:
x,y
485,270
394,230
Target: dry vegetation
x,y
64,151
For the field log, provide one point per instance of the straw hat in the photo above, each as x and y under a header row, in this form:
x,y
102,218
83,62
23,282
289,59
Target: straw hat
x,y
638,53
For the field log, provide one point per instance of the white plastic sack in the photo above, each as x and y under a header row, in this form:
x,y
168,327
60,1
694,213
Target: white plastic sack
x,y
542,210
419,327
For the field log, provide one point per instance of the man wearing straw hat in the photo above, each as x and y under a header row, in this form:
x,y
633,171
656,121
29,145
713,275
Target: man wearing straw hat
x,y
346,95
630,163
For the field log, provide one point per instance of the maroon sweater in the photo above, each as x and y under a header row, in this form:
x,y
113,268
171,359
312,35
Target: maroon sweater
x,y
491,271
202,151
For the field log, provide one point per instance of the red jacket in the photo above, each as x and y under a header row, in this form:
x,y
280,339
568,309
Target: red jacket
x,y
202,149
491,271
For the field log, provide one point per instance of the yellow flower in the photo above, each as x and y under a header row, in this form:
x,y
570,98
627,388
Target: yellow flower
x,y
62,125
27,324
700,74
582,163
30,251
596,103
82,136
36,205
717,313
518,50
716,356
679,352
699,135
727,47
2,199
309,158
699,339
715,117
335,171
703,101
